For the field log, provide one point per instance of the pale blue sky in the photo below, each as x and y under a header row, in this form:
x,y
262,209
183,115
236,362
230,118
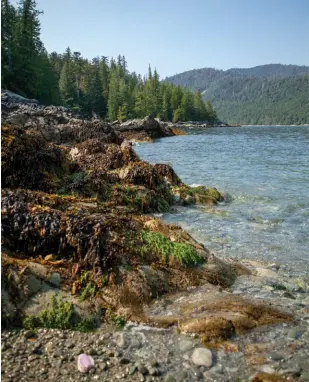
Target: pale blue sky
x,y
178,35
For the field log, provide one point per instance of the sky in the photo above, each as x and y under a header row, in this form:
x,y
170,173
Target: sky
x,y
179,35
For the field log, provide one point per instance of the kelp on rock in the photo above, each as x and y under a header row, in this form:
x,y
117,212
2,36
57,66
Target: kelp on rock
x,y
74,194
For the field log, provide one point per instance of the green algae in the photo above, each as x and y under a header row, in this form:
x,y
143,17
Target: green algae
x,y
170,251
196,195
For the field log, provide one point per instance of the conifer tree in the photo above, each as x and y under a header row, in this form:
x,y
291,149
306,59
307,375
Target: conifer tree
x,y
47,82
94,101
187,105
176,97
167,112
212,114
113,95
149,73
124,104
104,75
27,47
8,26
200,107
67,84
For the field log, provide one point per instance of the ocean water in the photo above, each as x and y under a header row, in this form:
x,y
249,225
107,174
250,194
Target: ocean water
x,y
264,173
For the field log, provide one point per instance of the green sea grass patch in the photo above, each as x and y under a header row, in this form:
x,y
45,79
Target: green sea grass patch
x,y
170,251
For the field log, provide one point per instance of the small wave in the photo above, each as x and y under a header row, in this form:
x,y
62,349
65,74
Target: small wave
x,y
291,208
259,219
245,198
214,211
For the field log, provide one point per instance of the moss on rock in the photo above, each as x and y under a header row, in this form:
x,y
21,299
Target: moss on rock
x,y
196,195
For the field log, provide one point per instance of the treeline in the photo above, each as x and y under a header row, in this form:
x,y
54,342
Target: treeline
x,y
259,101
206,78
106,87
267,94
101,87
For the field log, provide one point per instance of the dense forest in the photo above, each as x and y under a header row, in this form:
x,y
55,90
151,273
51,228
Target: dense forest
x,y
267,94
100,87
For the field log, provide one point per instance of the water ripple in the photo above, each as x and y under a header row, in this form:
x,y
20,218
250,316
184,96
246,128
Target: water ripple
x,y
265,174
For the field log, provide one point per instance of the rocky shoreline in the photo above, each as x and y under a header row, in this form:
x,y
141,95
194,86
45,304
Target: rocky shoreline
x,y
146,353
149,128
142,298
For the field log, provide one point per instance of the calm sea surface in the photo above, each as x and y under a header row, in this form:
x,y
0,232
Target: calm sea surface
x,y
264,171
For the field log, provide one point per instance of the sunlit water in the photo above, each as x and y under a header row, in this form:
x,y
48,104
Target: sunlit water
x,y
265,170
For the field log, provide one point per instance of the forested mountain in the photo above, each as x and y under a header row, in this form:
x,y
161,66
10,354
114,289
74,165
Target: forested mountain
x,y
99,87
267,94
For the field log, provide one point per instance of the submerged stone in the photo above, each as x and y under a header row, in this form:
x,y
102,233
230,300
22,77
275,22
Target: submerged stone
x,y
202,357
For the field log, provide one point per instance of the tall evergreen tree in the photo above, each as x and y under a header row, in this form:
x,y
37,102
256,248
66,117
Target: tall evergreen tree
x,y
27,48
67,84
166,111
56,61
187,105
104,75
211,112
149,73
47,82
200,107
176,97
77,69
8,25
94,104
113,95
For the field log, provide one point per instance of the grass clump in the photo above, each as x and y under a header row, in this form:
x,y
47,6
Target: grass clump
x,y
59,315
118,320
89,288
88,291
169,251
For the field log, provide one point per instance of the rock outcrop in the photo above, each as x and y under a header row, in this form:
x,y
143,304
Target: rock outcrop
x,y
74,190
145,129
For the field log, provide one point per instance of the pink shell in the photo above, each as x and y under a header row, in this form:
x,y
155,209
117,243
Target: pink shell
x,y
85,363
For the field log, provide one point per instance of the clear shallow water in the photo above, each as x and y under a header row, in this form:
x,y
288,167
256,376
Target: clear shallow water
x,y
265,170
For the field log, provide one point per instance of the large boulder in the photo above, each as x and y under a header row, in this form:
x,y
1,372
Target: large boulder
x,y
147,128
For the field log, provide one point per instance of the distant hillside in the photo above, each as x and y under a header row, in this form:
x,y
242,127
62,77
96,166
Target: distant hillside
x,y
267,94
